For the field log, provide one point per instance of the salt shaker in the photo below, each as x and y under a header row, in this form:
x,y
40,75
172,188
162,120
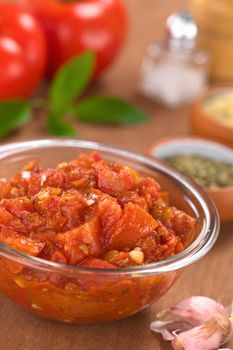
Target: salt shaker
x,y
175,71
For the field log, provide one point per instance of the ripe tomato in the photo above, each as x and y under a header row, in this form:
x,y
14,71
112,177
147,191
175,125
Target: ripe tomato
x,y
74,26
22,52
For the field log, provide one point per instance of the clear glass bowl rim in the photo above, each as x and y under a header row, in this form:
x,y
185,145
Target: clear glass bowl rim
x,y
199,247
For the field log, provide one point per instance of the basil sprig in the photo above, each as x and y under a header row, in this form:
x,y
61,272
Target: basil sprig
x,y
65,100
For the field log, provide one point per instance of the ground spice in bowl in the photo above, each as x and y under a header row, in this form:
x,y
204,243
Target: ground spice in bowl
x,y
206,172
220,108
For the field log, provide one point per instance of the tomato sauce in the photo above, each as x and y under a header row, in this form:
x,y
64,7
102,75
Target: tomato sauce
x,y
87,213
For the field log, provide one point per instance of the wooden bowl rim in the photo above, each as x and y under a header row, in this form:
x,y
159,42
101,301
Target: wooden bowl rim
x,y
197,104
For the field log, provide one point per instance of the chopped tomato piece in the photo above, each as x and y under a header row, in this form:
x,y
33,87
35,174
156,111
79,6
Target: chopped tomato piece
x,y
44,236
162,243
26,183
23,244
134,224
181,223
5,188
59,257
10,221
63,211
108,211
82,242
131,197
116,178
96,263
149,189
23,209
95,284
165,197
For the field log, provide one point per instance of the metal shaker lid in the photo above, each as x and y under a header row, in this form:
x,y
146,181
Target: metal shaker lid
x,y
181,30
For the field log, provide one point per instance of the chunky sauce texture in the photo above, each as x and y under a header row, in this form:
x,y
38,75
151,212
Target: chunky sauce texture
x,y
88,213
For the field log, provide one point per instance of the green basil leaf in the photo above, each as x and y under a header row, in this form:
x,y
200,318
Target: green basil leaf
x,y
71,80
58,126
105,109
13,114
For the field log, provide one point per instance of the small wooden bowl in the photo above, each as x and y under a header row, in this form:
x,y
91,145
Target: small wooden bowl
x,y
223,197
204,125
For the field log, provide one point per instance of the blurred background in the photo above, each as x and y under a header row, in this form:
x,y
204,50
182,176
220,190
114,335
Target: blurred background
x,y
162,56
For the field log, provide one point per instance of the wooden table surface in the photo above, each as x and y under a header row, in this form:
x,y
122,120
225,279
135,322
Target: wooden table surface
x,y
212,276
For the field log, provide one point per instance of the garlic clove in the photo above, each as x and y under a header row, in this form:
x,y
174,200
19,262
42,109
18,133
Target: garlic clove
x,y
197,309
168,329
208,336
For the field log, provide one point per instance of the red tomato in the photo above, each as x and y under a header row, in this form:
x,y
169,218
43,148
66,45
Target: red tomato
x,y
22,52
72,27
96,263
134,224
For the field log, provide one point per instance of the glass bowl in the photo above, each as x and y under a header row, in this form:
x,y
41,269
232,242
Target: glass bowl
x,y
88,295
